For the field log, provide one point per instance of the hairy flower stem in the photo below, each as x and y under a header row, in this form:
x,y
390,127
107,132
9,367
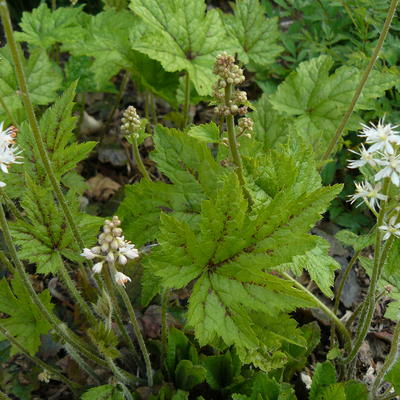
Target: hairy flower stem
x,y
122,88
138,159
41,364
118,315
138,333
83,305
16,56
66,334
390,360
367,311
342,329
186,102
83,365
14,210
5,261
233,145
363,81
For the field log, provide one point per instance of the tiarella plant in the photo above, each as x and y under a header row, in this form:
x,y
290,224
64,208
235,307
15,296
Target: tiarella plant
x,y
206,279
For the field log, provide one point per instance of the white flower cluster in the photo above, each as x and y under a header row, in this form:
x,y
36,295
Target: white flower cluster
x,y
113,249
383,155
9,152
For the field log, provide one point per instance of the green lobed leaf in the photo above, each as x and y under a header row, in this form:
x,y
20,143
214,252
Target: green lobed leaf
x,y
317,100
25,321
256,35
112,51
229,257
44,236
183,37
43,27
319,265
194,173
43,79
56,124
324,376
187,375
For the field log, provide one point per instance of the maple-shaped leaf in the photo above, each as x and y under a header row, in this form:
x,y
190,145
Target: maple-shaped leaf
x,y
112,51
56,124
255,34
25,321
43,27
44,236
230,260
317,99
183,37
43,80
194,173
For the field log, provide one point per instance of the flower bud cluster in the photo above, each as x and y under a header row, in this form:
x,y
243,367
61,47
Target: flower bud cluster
x,y
245,126
229,74
130,121
113,249
9,152
383,156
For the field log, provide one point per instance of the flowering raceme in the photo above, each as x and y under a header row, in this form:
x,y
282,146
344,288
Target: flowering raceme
x,y
383,156
113,249
9,152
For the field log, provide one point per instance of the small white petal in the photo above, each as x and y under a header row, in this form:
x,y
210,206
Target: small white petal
x,y
97,267
121,278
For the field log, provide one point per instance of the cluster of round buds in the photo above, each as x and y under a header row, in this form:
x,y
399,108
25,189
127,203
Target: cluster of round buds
x,y
113,249
130,121
227,70
245,126
229,74
9,152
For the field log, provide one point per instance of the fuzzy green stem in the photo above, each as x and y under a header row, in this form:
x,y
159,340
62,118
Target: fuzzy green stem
x,y
138,333
41,364
367,311
5,261
83,365
186,101
122,88
118,314
342,329
12,206
117,372
390,360
5,18
363,81
138,159
58,326
83,305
